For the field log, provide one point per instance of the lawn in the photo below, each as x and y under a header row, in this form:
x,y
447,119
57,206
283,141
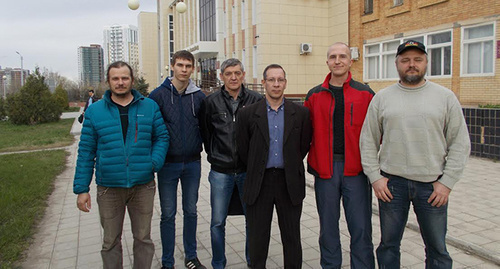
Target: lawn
x,y
26,180
28,137
72,109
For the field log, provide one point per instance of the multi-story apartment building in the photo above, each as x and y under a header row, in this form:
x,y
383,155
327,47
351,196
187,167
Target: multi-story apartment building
x,y
91,65
12,82
148,48
121,43
461,37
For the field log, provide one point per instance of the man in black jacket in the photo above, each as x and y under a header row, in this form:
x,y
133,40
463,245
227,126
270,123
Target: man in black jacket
x,y
218,126
273,137
92,99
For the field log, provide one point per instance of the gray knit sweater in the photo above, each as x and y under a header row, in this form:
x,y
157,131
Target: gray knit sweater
x,y
416,133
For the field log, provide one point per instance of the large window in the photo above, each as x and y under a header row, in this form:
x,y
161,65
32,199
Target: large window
x,y
477,49
207,20
379,57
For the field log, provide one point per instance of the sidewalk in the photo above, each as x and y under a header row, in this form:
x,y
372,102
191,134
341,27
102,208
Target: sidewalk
x,y
68,238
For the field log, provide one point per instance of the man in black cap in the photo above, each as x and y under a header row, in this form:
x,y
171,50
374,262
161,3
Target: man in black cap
x,y
425,148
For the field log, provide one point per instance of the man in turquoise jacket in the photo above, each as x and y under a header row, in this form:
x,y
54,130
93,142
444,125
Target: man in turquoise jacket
x,y
125,139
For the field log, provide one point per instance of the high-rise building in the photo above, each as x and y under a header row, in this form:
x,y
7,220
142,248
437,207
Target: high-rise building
x,y
148,48
121,43
90,65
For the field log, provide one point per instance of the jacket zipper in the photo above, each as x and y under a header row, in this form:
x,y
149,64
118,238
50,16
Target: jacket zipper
x,y
351,113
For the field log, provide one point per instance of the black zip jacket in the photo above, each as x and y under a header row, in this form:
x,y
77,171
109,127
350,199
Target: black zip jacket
x,y
218,123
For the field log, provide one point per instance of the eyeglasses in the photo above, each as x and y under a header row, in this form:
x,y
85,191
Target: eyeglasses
x,y
273,80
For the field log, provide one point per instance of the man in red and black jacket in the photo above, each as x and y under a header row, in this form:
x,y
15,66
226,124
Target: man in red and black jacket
x,y
338,108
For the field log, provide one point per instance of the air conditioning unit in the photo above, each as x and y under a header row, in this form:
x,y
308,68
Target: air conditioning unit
x,y
305,48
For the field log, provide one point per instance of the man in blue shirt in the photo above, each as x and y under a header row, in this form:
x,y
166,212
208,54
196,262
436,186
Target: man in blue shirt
x,y
273,137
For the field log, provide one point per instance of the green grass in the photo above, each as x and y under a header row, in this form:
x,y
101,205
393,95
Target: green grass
x,y
26,180
72,109
29,137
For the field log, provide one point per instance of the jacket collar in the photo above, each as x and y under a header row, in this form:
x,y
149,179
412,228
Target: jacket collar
x,y
326,83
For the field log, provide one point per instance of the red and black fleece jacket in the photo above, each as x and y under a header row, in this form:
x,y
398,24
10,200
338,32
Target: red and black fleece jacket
x,y
321,103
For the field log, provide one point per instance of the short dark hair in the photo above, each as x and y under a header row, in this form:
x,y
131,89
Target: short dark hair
x,y
92,91
119,64
273,66
182,54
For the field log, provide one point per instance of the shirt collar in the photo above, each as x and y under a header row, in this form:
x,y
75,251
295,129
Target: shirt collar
x,y
269,108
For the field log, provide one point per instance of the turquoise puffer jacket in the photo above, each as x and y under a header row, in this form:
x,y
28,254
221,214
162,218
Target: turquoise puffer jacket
x,y
120,163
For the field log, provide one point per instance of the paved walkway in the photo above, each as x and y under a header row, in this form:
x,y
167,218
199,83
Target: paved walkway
x,y
68,238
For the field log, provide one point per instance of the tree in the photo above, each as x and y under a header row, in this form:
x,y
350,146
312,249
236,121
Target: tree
x,y
141,86
33,103
2,109
61,96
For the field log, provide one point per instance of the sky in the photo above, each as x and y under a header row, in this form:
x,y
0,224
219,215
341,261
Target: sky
x,y
48,33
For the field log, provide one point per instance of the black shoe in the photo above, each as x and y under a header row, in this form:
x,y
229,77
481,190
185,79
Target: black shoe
x,y
194,264
167,267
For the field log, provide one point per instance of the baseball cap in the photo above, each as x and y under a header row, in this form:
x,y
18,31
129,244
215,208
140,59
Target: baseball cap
x,y
411,44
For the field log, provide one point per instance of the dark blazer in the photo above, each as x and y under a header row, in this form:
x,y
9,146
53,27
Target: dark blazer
x,y
252,136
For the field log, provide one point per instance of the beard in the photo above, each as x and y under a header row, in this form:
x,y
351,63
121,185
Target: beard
x,y
411,79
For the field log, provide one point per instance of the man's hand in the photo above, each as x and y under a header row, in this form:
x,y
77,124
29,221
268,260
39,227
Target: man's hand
x,y
439,196
381,191
83,202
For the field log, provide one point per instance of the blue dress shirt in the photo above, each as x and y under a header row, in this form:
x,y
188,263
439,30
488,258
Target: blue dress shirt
x,y
276,123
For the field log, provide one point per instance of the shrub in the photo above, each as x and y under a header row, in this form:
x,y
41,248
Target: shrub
x,y
61,96
33,103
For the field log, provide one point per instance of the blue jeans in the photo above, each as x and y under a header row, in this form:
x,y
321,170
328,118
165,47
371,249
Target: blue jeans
x,y
138,200
356,195
394,215
168,177
221,188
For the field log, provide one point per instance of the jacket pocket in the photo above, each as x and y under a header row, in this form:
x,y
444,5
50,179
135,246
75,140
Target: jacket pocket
x,y
357,112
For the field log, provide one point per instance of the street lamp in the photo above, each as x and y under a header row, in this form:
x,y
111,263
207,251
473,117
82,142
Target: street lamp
x,y
22,69
4,80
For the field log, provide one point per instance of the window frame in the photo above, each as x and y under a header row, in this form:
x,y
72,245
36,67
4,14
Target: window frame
x,y
463,43
424,36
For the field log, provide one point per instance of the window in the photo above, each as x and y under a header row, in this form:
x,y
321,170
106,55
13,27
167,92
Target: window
x,y
254,12
243,15
372,62
379,58
439,54
368,6
397,3
234,15
477,49
207,20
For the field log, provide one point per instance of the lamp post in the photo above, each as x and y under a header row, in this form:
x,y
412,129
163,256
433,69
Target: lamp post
x,y
22,69
4,82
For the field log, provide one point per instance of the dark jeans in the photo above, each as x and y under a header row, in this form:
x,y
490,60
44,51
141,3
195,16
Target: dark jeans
x,y
188,174
394,215
221,189
355,192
